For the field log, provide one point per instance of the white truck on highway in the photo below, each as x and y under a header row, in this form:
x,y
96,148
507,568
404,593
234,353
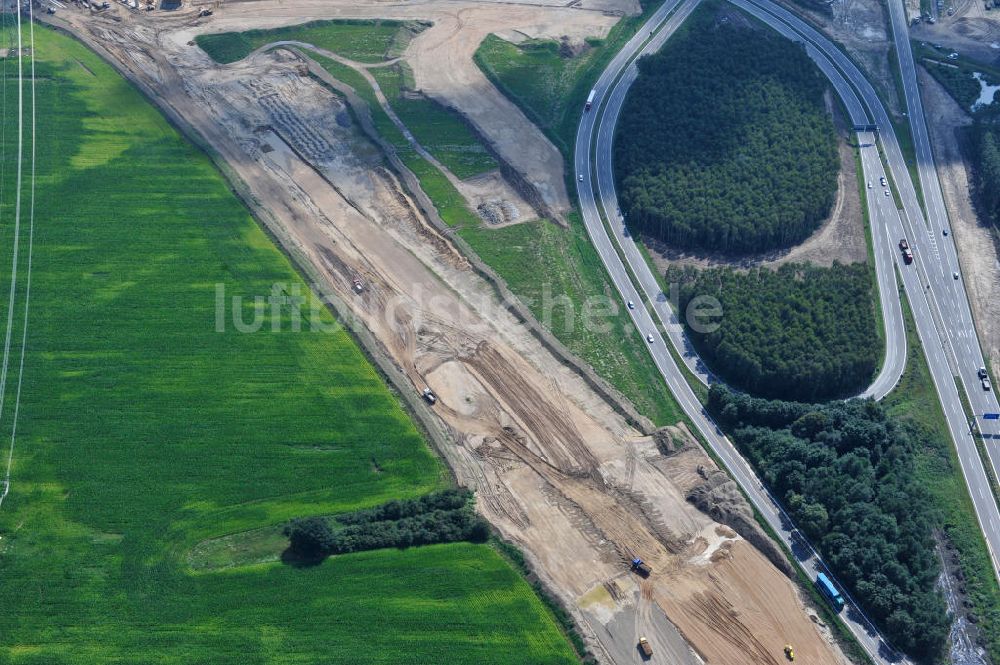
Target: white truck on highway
x,y
590,100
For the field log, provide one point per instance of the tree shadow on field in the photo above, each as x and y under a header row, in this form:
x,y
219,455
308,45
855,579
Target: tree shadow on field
x,y
290,557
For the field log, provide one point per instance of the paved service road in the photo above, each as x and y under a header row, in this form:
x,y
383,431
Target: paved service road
x,y
656,31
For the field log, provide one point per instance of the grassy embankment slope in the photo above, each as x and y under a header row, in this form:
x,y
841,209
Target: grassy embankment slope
x,y
144,431
914,402
360,40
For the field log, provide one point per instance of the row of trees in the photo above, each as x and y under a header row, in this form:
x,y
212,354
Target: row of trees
x,y
846,474
802,332
724,143
986,156
439,517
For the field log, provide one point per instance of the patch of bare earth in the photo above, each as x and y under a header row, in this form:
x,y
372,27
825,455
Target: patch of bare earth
x,y
555,466
971,30
977,249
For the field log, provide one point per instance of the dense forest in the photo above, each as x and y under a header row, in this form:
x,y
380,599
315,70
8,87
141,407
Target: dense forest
x,y
801,332
846,475
439,517
724,143
986,178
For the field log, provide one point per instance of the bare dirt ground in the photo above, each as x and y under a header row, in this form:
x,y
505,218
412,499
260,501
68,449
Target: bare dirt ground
x,y
840,238
977,250
555,467
441,60
971,30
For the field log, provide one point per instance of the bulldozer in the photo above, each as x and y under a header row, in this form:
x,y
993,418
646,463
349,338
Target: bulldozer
x,y
789,652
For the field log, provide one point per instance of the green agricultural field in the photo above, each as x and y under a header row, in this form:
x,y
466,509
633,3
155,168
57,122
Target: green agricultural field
x,y
361,40
143,431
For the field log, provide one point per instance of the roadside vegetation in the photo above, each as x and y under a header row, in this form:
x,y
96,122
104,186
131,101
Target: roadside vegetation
x,y
847,474
753,169
143,430
914,404
550,81
958,77
554,271
984,146
800,332
360,40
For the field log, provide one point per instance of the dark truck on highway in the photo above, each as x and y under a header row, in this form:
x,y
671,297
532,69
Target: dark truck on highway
x,y
907,252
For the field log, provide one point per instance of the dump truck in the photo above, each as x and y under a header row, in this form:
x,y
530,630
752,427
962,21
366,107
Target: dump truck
x,y
644,647
590,100
358,285
640,567
429,395
907,252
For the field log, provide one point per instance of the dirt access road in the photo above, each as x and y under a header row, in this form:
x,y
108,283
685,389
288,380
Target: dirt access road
x,y
441,60
555,465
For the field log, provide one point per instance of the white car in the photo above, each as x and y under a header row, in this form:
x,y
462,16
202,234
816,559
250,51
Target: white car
x,y
954,275
882,180
649,338
887,192
580,177
869,184
631,305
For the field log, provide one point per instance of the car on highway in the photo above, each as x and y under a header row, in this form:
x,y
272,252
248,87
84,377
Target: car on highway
x,y
649,338
944,231
981,373
869,184
986,384
882,181
887,192
954,275
580,177
631,305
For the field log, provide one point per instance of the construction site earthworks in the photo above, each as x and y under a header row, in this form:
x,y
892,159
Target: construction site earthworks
x,y
561,464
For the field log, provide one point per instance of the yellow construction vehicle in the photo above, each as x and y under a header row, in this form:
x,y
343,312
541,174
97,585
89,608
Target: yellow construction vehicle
x,y
789,652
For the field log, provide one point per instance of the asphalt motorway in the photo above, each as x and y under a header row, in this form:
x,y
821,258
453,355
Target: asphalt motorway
x,y
960,338
657,29
938,300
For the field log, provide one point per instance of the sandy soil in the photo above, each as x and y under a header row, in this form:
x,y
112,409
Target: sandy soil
x,y
555,467
441,60
971,30
977,251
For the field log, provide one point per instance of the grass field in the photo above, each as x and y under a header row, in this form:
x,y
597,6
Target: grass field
x,y
143,431
361,40
543,263
915,402
439,130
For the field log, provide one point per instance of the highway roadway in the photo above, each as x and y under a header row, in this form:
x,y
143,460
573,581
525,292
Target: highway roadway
x,y
653,34
938,300
960,338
